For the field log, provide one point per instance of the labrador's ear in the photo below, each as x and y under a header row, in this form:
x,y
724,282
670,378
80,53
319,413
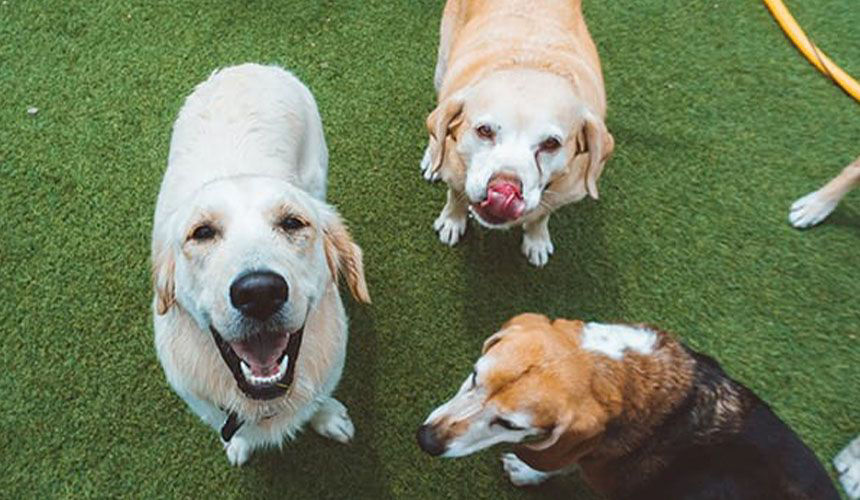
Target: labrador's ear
x,y
343,255
163,270
440,122
599,143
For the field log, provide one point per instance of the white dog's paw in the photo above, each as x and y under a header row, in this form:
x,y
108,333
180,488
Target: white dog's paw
x,y
537,249
847,464
427,169
810,210
450,228
238,451
520,473
332,421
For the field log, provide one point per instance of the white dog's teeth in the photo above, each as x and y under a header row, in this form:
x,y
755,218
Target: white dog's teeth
x,y
283,368
246,370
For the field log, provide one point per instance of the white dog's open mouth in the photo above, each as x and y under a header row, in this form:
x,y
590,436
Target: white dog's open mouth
x,y
264,364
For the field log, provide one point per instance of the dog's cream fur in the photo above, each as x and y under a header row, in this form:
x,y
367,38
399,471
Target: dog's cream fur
x,y
247,151
813,208
529,71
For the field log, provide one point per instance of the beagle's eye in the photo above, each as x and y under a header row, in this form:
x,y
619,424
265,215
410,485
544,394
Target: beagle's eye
x,y
203,233
474,378
549,145
485,132
507,424
291,223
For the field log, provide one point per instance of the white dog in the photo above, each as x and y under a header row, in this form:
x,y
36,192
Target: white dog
x,y
249,324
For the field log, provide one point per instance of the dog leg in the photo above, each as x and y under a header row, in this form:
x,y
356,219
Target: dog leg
x,y
238,450
521,474
426,168
817,205
332,421
847,464
451,223
537,246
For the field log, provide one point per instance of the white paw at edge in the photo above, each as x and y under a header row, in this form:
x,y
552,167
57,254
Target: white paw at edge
x,y
238,451
809,210
332,421
520,473
449,228
847,464
537,250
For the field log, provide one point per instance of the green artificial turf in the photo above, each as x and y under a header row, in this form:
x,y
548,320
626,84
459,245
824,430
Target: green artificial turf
x,y
719,125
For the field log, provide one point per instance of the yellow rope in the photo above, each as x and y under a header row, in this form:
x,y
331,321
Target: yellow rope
x,y
812,53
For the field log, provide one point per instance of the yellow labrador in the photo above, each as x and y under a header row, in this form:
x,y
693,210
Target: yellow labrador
x,y
519,127
249,325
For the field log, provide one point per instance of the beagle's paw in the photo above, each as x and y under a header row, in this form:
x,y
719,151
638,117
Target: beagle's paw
x,y
811,209
520,473
450,228
427,169
332,421
847,464
537,249
238,451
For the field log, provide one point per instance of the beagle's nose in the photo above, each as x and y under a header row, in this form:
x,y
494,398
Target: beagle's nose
x,y
259,294
429,441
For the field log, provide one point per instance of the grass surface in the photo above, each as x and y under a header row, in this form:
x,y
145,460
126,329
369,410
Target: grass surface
x,y
719,125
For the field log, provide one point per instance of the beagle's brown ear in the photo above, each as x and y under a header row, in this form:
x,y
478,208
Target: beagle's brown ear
x,y
492,340
599,143
526,318
564,446
344,256
439,124
163,270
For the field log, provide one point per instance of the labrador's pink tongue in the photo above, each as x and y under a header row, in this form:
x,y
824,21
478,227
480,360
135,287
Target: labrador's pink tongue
x,y
504,200
261,352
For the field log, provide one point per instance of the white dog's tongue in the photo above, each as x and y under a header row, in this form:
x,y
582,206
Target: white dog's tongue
x,y
504,200
261,352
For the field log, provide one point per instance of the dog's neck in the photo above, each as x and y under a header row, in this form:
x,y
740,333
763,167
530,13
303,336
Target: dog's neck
x,y
655,389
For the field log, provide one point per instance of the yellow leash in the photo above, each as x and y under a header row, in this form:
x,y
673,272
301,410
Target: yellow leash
x,y
818,58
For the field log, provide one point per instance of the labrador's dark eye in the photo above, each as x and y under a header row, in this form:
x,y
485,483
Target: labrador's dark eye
x,y
485,132
550,145
203,233
507,424
291,223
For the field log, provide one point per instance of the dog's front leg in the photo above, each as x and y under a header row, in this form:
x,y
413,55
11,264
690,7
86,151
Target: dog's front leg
x,y
332,421
817,205
451,223
537,246
521,474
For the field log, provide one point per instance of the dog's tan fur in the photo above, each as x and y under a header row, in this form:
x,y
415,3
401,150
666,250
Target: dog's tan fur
x,y
479,40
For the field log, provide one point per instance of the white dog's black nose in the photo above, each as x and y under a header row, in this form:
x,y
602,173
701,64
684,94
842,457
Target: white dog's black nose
x,y
259,294
429,441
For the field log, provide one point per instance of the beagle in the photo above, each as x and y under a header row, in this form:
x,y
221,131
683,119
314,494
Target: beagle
x,y
642,416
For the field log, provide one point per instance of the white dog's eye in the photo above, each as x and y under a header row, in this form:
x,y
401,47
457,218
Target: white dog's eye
x,y
485,132
549,145
291,223
203,233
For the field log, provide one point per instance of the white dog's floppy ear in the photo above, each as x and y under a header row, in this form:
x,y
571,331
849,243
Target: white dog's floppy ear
x,y
163,269
600,144
439,124
343,255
